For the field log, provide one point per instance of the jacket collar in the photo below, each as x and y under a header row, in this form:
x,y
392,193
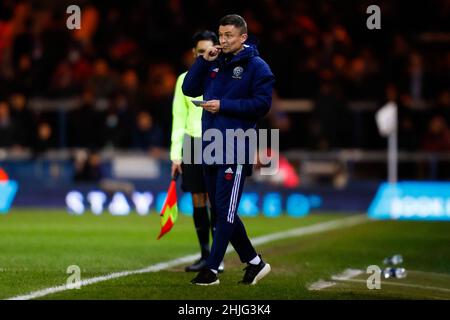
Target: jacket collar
x,y
246,53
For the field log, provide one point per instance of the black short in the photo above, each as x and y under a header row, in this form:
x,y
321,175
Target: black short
x,y
192,178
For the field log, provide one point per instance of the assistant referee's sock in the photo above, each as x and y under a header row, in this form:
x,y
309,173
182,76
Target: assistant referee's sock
x,y
202,225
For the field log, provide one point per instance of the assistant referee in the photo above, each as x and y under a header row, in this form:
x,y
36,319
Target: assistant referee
x,y
187,125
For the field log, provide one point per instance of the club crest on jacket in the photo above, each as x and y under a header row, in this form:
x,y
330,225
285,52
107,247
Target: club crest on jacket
x,y
237,72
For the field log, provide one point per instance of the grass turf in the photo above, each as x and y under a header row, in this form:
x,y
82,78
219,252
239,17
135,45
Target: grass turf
x,y
37,246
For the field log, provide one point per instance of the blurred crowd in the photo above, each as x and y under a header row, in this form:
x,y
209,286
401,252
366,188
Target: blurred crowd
x,y
121,68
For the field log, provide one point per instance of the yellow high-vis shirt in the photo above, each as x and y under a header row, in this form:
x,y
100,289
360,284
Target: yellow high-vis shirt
x,y
187,119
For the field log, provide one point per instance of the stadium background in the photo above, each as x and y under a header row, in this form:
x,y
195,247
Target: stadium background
x,y
85,122
90,109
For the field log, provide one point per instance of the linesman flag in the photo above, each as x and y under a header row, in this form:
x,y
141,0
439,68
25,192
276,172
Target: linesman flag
x,y
169,211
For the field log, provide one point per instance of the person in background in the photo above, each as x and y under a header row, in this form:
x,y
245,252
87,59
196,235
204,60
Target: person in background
x,y
147,135
187,124
8,128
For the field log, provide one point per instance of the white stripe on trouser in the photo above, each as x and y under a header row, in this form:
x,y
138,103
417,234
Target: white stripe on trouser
x,y
234,194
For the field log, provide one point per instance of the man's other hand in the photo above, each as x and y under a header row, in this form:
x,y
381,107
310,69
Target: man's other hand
x,y
212,106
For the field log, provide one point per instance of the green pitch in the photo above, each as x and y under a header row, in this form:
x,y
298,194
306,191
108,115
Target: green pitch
x,y
37,246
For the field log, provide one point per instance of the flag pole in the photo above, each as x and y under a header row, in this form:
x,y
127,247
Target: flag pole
x,y
392,157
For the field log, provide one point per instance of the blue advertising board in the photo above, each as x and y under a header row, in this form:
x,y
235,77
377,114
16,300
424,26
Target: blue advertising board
x,y
412,201
270,204
7,193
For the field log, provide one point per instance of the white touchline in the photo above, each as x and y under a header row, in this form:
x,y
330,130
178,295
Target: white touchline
x,y
349,274
321,284
411,285
298,232
344,276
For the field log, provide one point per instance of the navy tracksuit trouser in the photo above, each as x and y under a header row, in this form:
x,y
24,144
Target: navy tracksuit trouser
x,y
225,184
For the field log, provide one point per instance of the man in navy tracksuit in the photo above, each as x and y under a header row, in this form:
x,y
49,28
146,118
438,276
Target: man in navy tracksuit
x,y
237,87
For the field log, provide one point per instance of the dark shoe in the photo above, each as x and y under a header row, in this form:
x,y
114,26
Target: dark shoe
x,y
205,278
254,273
221,267
196,266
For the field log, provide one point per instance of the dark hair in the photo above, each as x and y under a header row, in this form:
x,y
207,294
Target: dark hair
x,y
235,20
204,35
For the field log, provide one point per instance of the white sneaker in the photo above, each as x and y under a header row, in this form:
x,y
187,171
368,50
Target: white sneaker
x,y
221,267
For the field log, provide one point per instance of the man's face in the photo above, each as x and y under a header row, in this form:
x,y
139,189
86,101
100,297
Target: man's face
x,y
201,47
231,39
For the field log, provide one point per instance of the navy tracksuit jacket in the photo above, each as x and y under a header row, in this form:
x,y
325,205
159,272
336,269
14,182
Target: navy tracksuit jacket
x,y
243,83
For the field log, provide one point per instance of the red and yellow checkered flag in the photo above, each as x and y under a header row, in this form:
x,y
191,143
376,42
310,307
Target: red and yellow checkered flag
x,y
169,211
